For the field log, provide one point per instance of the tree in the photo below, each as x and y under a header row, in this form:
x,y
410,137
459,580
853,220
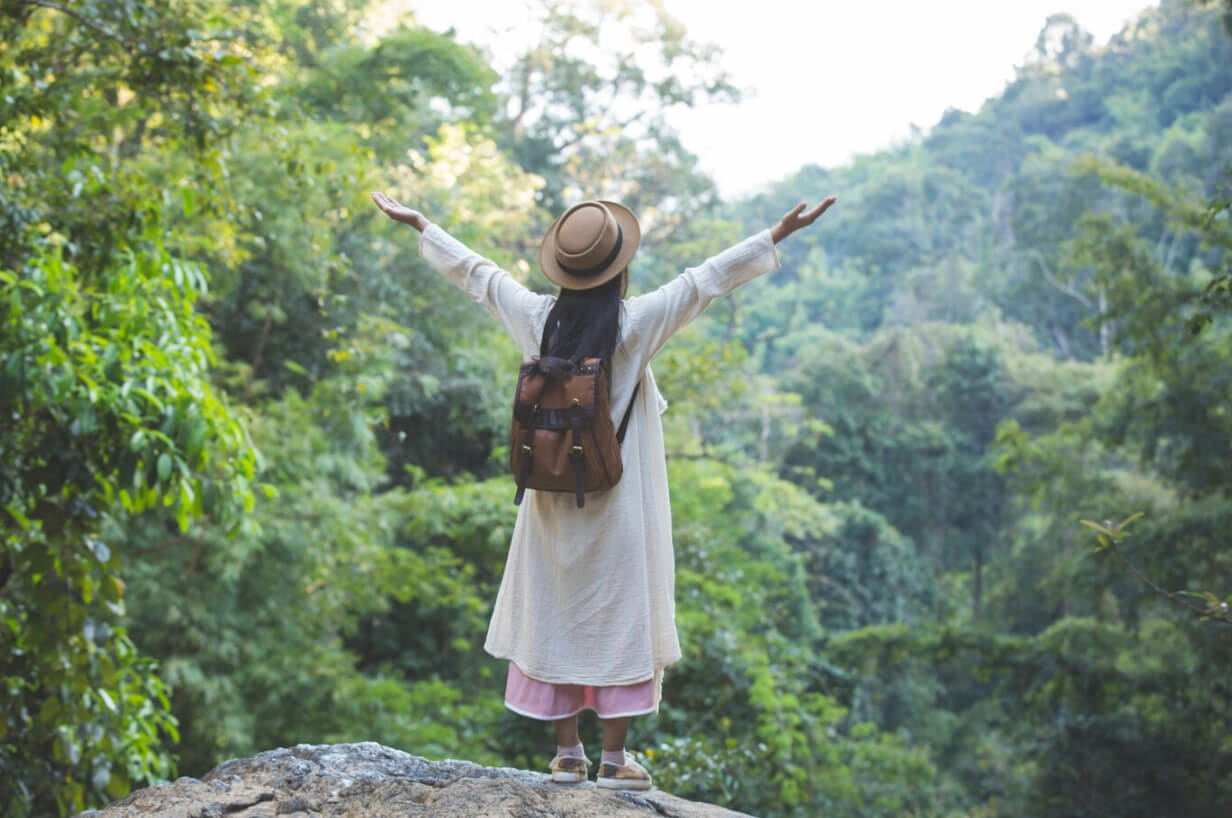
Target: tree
x,y
105,378
584,107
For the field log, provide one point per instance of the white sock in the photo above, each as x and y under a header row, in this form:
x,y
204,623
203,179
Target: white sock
x,y
575,751
616,757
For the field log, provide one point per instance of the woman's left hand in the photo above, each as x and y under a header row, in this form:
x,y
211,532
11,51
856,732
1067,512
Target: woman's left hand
x,y
400,212
797,218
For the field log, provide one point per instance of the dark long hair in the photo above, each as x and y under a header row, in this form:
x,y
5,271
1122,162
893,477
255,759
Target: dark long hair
x,y
584,323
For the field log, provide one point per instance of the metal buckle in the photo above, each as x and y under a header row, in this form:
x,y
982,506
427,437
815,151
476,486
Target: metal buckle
x,y
577,449
526,448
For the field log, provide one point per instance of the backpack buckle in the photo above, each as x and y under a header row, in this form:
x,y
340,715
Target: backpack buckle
x,y
577,449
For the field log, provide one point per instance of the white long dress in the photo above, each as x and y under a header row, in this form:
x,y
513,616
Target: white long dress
x,y
588,595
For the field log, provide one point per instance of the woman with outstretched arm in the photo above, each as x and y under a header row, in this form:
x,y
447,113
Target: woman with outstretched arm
x,y
585,614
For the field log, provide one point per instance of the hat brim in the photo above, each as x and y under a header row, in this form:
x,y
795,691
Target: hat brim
x,y
631,233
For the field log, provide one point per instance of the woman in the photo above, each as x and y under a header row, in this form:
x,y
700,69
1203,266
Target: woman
x,y
585,613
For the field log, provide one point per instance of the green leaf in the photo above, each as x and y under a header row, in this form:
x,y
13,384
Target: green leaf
x,y
155,402
17,515
108,702
1095,527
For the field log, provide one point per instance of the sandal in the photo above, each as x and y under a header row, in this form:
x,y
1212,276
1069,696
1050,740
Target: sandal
x,y
569,770
627,776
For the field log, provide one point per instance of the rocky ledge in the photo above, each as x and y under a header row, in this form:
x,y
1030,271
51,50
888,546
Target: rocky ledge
x,y
368,780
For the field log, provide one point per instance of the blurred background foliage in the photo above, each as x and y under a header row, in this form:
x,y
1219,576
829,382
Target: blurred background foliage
x,y
251,468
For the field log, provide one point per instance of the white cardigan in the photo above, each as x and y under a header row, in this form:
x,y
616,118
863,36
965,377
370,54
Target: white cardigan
x,y
588,595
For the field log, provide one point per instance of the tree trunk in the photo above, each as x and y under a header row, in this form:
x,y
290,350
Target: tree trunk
x,y
977,589
764,439
1105,328
1069,547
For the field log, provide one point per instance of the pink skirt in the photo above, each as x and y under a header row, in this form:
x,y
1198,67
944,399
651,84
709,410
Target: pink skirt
x,y
549,701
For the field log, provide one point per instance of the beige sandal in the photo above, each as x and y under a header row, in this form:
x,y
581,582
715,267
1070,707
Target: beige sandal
x,y
627,776
569,770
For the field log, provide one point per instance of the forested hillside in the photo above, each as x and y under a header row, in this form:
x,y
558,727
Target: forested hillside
x,y
252,466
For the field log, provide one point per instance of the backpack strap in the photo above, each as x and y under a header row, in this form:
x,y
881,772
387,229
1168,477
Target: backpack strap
x,y
624,422
528,454
576,455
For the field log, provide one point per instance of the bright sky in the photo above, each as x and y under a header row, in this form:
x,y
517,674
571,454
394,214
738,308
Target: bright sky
x,y
830,79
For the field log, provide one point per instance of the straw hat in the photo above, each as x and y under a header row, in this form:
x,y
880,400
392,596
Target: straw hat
x,y
589,245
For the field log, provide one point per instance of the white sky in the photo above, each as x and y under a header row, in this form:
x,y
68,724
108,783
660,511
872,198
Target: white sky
x,y
830,79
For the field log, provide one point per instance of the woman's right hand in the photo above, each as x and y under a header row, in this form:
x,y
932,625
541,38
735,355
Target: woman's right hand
x,y
399,212
796,218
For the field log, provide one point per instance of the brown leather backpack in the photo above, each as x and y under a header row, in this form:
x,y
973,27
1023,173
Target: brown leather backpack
x,y
562,437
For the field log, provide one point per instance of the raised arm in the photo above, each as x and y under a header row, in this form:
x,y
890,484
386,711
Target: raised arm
x,y
478,277
656,316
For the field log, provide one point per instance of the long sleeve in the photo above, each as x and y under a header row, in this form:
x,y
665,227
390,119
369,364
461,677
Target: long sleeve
x,y
487,284
656,316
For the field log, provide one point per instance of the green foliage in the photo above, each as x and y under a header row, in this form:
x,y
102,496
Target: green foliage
x,y
270,617
747,620
864,572
909,417
105,379
881,455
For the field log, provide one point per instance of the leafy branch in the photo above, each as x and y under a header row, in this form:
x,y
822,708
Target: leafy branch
x,y
1218,292
1109,536
81,18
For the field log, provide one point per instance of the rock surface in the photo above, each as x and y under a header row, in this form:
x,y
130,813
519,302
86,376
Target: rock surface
x,y
368,780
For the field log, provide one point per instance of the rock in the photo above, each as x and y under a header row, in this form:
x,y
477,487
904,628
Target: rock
x,y
368,780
